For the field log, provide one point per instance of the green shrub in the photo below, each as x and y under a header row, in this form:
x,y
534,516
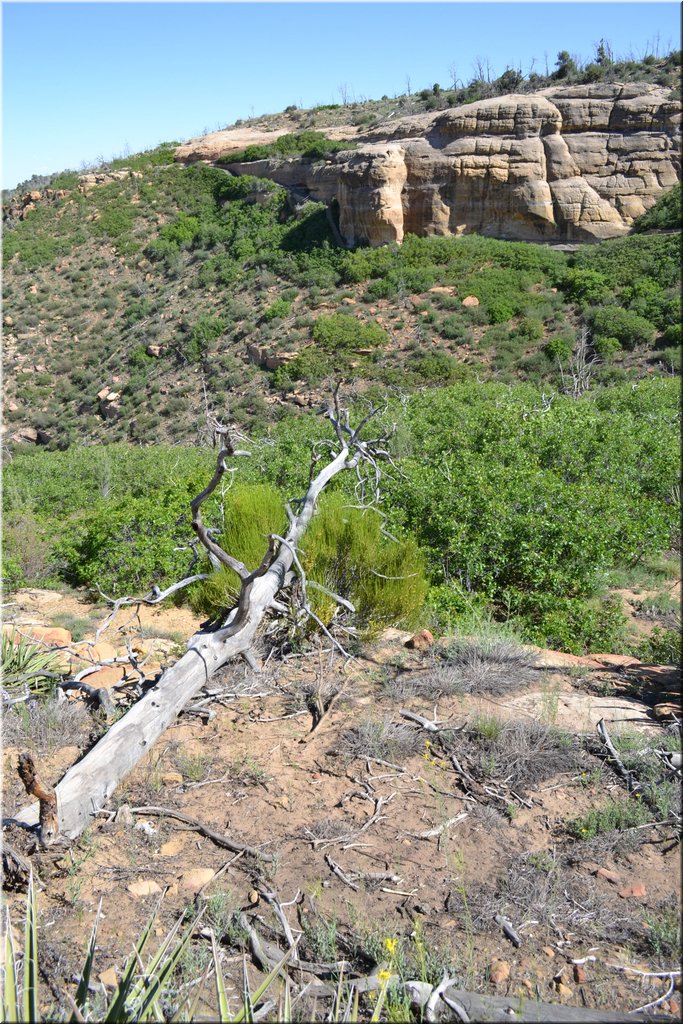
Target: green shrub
x,y
530,329
617,815
342,333
574,626
65,180
252,513
310,144
345,550
606,347
127,546
666,213
558,349
280,308
195,342
438,368
454,329
661,647
624,325
342,550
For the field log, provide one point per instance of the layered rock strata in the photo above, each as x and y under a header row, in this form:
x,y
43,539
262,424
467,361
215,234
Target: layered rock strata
x,y
576,163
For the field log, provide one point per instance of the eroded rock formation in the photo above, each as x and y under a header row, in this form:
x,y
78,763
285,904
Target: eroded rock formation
x,y
574,163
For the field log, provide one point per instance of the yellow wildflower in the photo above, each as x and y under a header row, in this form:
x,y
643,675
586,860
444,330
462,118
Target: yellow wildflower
x,y
390,945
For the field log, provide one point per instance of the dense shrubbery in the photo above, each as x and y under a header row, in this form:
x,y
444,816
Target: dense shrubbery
x,y
666,213
309,144
529,507
514,505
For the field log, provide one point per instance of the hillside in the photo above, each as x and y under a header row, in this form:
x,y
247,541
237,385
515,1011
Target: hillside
x,y
131,304
453,746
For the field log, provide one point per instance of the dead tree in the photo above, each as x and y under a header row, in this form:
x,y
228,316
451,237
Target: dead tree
x,y
86,787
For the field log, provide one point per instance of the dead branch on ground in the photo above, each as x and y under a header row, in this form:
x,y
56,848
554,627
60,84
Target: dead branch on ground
x,y
88,785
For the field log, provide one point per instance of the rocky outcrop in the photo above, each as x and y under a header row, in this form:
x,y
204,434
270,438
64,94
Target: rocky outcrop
x,y
575,163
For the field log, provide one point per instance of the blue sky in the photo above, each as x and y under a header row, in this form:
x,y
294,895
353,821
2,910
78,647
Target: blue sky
x,y
85,81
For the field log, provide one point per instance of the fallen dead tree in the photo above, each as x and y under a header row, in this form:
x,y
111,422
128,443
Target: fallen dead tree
x,y
86,787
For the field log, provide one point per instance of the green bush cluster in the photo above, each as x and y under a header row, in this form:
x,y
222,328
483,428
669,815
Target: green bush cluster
x,y
343,333
195,340
529,507
666,213
515,506
309,144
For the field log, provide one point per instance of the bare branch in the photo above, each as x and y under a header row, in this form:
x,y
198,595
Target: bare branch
x,y
197,524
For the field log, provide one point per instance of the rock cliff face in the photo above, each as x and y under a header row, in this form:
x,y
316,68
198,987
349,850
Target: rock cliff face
x,y
577,163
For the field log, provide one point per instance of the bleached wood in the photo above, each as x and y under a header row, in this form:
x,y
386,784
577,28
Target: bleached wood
x,y
86,787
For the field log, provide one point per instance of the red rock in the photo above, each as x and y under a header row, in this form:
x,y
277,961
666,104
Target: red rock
x,y
618,660
560,659
499,972
420,641
105,677
635,891
52,635
580,976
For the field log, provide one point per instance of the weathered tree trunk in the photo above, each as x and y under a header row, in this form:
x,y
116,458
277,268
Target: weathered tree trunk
x,y
87,786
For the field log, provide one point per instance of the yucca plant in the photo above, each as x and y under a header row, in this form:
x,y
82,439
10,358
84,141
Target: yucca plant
x,y
27,667
137,997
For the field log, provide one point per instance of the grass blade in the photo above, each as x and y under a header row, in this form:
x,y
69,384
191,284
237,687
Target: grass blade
x,y
115,1013
221,994
84,984
31,956
10,994
157,977
380,1002
261,990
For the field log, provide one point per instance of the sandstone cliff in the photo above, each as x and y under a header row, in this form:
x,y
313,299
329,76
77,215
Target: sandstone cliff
x,y
575,163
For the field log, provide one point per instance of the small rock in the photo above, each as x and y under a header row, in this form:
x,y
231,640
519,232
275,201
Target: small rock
x,y
144,826
124,815
172,778
580,976
470,300
420,641
499,972
549,952
635,891
563,991
108,978
143,887
254,897
193,881
675,1006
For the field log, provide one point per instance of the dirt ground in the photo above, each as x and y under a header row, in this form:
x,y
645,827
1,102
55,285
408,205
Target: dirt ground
x,y
378,828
